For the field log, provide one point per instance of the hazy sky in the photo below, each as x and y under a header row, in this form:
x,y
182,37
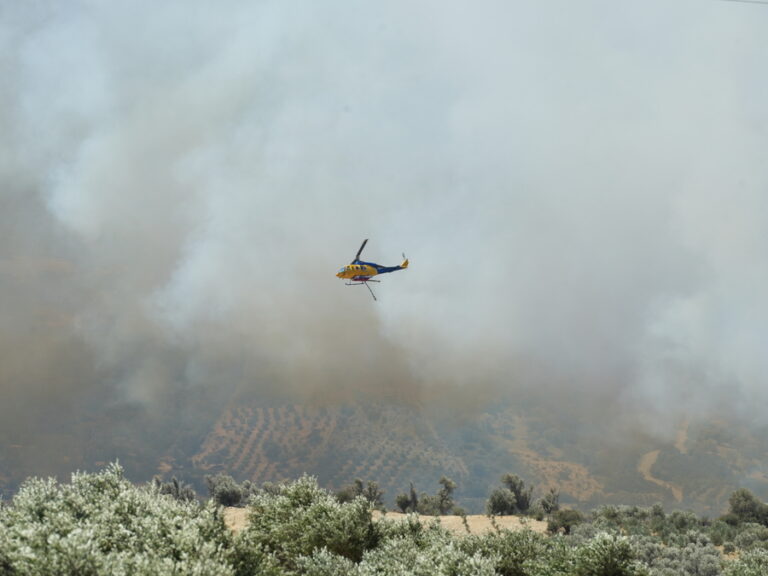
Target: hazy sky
x,y
581,188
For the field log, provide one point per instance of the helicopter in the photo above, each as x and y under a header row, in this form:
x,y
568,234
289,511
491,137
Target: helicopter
x,y
359,273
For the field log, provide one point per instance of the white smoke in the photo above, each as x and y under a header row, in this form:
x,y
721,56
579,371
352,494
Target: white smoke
x,y
580,189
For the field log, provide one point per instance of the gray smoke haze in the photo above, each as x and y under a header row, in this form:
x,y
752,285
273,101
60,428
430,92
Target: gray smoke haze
x,y
581,187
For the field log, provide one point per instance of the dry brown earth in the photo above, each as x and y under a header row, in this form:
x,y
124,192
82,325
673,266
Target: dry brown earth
x,y
237,519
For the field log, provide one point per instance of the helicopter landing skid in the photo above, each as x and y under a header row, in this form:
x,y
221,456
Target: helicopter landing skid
x,y
364,282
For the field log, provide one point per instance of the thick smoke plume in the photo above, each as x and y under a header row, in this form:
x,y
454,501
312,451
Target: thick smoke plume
x,y
582,189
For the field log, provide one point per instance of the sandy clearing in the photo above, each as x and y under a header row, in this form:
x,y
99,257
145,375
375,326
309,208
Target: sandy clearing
x,y
237,519
478,523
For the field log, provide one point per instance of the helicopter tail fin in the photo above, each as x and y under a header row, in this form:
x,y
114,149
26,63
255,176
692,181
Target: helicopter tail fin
x,y
404,265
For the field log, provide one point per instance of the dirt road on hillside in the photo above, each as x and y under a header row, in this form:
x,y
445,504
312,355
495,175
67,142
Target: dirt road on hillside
x,y
644,467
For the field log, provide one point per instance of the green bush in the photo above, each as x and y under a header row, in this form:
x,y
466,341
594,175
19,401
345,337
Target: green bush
x,y
223,489
370,491
564,520
439,555
512,551
607,555
437,504
752,563
175,488
698,557
745,507
102,524
300,518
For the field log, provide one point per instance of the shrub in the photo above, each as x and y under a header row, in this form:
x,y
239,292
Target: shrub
x,y
606,555
752,563
370,491
698,557
751,535
175,488
301,518
325,563
430,504
720,533
511,551
102,524
745,507
551,501
439,555
564,520
225,491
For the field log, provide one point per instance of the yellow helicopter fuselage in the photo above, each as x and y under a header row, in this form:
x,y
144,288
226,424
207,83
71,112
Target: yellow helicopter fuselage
x,y
352,271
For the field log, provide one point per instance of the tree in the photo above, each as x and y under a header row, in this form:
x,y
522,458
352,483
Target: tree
x,y
514,497
408,502
370,491
414,498
516,485
223,489
564,520
745,507
350,491
501,502
551,501
175,488
403,502
445,495
429,504
374,495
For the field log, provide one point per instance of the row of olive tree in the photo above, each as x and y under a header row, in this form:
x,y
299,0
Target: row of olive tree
x,y
437,504
512,498
102,524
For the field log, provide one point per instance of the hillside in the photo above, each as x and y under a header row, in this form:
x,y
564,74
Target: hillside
x,y
590,462
394,445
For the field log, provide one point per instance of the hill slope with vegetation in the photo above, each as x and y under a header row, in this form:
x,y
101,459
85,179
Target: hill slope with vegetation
x,y
695,466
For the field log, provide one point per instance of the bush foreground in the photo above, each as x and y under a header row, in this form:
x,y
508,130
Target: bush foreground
x,y
102,524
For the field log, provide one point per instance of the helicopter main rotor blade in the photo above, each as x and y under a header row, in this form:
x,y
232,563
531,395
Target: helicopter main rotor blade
x,y
361,249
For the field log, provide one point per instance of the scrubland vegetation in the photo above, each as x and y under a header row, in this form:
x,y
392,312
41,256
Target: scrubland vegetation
x,y
102,524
